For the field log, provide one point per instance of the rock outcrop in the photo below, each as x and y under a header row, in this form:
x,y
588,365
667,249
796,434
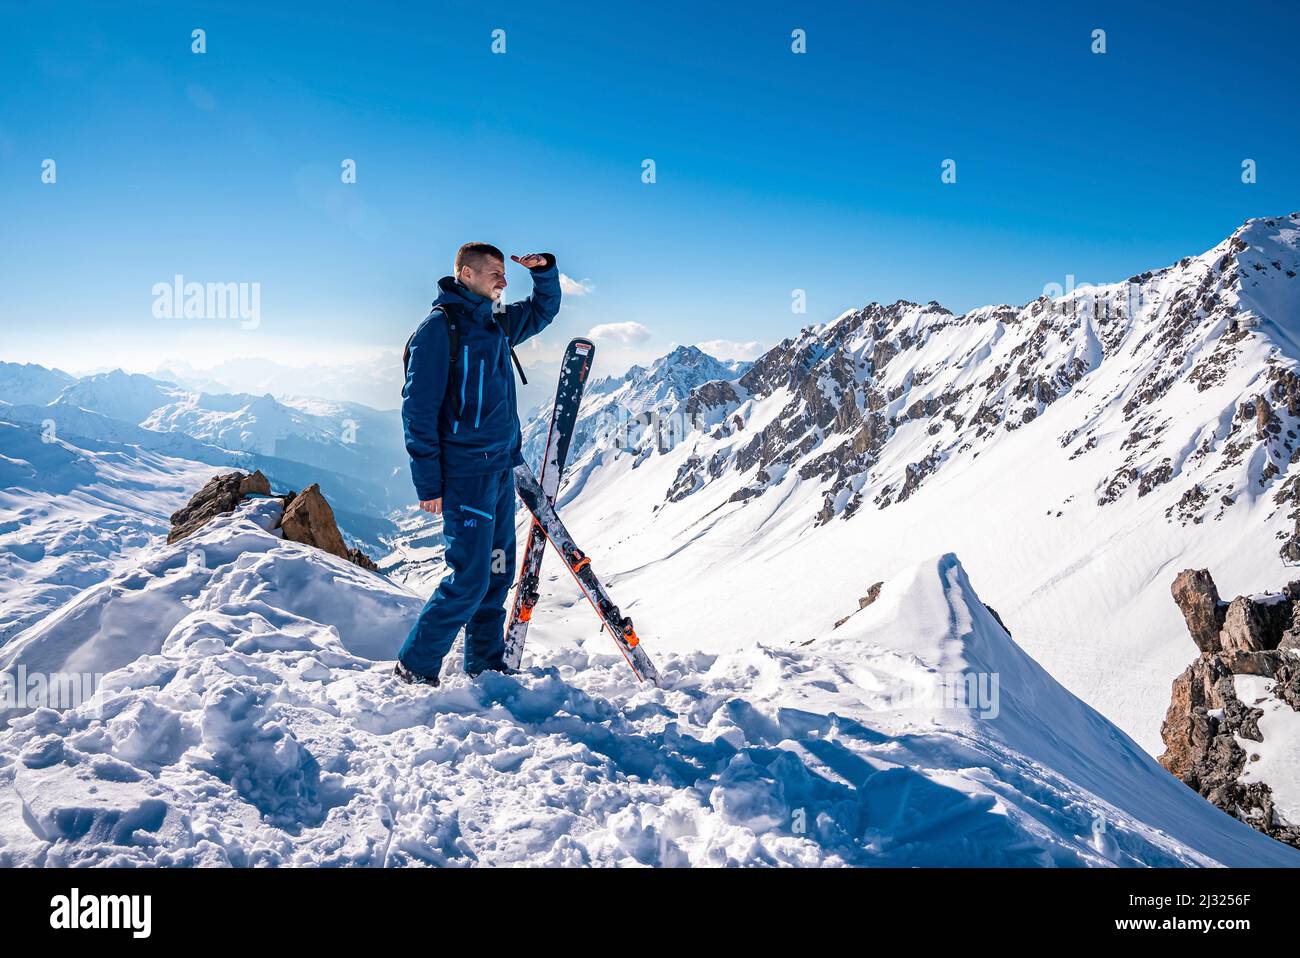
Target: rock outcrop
x,y
1198,598
872,595
218,496
307,516
309,519
1207,722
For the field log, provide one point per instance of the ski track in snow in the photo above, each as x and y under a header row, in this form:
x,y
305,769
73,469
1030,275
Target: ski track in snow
x,y
248,718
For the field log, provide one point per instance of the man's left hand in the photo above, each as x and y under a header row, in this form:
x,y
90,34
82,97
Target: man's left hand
x,y
531,261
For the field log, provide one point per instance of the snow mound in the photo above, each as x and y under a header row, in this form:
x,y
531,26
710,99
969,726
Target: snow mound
x,y
246,721
237,564
73,515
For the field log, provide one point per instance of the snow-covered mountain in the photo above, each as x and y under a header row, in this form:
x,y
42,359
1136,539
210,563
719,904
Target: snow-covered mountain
x,y
635,402
24,383
130,397
1077,452
416,547
274,427
246,717
92,430
344,437
355,452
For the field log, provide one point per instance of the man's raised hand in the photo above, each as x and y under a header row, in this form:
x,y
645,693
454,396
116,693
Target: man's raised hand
x,y
531,261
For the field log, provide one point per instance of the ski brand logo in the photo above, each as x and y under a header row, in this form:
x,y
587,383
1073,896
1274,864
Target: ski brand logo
x,y
471,523
75,911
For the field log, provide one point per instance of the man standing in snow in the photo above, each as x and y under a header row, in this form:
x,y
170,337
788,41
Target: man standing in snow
x,y
462,433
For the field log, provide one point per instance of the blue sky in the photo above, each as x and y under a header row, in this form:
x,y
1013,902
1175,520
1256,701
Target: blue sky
x,y
775,171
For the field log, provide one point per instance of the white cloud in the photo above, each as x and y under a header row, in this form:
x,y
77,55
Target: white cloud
x,y
730,349
624,333
575,287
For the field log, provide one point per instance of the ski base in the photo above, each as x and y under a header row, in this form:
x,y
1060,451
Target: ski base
x,y
564,415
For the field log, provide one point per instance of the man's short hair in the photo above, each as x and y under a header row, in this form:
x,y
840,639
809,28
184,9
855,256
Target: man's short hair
x,y
471,253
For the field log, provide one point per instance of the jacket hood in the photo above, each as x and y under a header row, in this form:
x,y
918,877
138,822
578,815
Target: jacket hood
x,y
452,292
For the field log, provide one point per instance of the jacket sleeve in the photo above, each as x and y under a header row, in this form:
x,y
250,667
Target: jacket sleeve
x,y
528,318
426,384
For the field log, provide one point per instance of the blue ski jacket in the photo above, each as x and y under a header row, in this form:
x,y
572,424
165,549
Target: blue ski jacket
x,y
462,420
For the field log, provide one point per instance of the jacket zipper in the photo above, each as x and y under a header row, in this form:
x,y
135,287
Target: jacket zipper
x,y
478,408
464,374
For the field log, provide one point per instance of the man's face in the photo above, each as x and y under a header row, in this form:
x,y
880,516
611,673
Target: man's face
x,y
487,277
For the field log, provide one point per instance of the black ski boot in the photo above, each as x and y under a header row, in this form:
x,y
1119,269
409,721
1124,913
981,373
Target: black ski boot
x,y
414,678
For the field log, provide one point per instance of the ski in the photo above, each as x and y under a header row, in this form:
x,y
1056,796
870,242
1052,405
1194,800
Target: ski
x,y
619,626
568,396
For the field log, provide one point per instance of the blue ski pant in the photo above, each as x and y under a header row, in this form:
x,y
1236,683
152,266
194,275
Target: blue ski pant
x,y
478,524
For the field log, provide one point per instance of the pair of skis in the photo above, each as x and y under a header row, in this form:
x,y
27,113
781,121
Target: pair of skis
x,y
538,494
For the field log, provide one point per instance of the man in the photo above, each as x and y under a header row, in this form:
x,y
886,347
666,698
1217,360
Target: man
x,y
462,433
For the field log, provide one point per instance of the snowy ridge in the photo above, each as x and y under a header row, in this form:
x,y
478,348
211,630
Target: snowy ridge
x,y
23,383
250,724
887,396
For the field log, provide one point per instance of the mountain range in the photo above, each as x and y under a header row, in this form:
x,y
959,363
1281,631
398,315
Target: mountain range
x,y
908,574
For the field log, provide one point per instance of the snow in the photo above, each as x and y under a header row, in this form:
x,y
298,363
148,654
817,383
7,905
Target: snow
x,y
1276,760
171,593
72,516
248,718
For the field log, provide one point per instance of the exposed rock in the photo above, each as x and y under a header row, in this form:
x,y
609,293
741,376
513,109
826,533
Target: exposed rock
x,y
1198,598
1190,507
869,384
1206,722
1188,730
357,557
309,519
1253,626
709,396
994,612
1266,424
916,472
872,595
1155,477
218,496
688,480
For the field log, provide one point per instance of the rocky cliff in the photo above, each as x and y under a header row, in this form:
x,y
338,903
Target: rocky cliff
x,y
1212,732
